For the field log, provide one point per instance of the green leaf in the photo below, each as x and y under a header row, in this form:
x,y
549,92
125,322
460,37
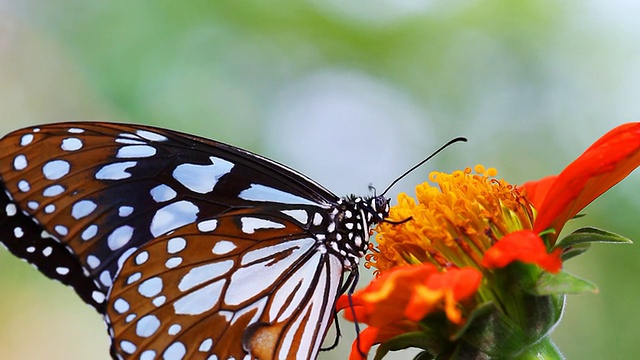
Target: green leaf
x,y
592,235
562,283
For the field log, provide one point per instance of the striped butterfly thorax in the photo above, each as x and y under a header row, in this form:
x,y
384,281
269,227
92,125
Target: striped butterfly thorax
x,y
189,248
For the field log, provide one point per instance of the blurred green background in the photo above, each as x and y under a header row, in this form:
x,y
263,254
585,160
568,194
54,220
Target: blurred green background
x,y
349,93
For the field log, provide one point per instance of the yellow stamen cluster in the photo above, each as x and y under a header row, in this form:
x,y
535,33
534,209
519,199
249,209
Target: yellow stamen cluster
x,y
452,223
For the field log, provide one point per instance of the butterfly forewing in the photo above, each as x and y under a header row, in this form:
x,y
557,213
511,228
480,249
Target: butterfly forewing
x,y
103,189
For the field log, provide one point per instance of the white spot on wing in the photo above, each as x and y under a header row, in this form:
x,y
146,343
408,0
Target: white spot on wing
x,y
151,287
119,237
18,232
98,297
176,245
128,347
202,178
223,247
159,301
151,135
142,258
129,141
93,261
208,225
147,326
173,262
53,190
71,144
82,208
135,151
24,186
133,278
199,301
115,171
162,193
89,232
26,139
11,209
251,224
175,351
61,229
173,216
148,355
55,169
206,345
105,278
174,329
298,214
47,251
257,192
20,162
124,211
121,306
204,273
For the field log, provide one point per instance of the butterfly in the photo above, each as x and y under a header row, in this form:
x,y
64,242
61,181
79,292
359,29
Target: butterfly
x,y
188,247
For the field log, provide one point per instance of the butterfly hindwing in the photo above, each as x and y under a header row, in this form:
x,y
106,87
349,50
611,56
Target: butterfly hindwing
x,y
267,283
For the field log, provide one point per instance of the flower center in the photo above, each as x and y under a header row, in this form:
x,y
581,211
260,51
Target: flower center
x,y
453,222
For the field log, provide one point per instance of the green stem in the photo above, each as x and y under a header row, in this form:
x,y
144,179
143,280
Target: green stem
x,y
544,349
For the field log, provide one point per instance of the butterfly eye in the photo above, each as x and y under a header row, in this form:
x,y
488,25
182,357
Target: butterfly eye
x,y
188,247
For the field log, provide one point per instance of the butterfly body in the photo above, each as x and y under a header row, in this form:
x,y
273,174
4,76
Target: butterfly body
x,y
190,248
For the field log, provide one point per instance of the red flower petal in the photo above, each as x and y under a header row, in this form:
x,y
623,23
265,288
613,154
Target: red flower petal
x,y
368,337
537,190
525,246
602,165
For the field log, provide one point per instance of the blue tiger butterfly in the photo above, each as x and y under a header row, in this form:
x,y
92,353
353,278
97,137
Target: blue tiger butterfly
x,y
189,248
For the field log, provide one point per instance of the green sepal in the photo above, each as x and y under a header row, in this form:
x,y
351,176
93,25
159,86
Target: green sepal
x,y
491,333
591,234
561,283
425,339
573,251
580,240
481,311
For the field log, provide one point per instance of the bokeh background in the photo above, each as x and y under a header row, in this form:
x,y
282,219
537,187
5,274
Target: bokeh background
x,y
348,92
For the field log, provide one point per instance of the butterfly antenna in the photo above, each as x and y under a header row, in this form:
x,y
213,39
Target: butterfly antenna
x,y
450,142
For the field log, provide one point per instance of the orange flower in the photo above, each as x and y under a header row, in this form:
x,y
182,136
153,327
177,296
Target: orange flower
x,y
396,300
559,198
456,224
600,167
452,258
